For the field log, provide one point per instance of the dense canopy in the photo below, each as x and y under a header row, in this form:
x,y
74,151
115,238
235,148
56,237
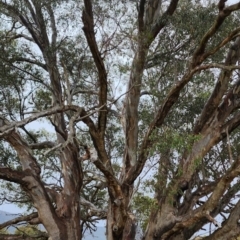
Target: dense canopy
x,y
121,111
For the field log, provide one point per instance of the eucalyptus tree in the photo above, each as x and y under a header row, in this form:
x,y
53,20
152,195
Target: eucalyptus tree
x,y
103,99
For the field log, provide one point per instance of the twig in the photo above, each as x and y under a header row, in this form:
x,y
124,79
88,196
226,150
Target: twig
x,y
229,147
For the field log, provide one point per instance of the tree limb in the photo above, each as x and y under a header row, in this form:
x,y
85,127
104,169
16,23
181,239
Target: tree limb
x,y
19,219
53,24
230,228
12,175
92,209
147,26
199,53
211,203
161,21
20,35
6,127
42,145
28,60
13,12
88,28
220,87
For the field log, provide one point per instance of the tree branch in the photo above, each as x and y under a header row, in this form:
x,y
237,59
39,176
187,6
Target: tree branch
x,y
87,17
6,127
220,87
161,21
141,15
171,98
132,98
42,145
16,220
30,8
173,95
233,35
231,125
92,209
28,60
12,175
13,12
230,228
20,35
198,55
53,24
211,203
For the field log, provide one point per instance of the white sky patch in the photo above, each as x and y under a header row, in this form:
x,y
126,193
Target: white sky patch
x,y
231,2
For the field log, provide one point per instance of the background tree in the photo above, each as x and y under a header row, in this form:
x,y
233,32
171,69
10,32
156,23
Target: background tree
x,y
132,102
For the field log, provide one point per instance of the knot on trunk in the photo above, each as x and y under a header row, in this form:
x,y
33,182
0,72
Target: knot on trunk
x,y
115,228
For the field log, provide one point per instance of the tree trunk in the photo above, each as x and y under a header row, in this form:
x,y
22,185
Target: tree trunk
x,y
121,224
125,232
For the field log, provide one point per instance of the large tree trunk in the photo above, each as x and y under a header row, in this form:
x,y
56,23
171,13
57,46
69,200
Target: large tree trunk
x,y
127,230
121,224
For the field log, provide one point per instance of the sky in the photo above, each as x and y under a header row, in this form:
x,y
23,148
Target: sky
x,y
231,1
10,208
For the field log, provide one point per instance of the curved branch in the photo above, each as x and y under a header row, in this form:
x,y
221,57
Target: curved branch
x,y
198,55
19,219
15,13
6,127
33,14
230,125
174,92
53,24
12,175
233,7
228,68
20,35
35,78
220,87
42,145
226,199
87,17
141,15
150,25
161,21
171,98
28,60
234,34
31,182
230,228
92,209
210,204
